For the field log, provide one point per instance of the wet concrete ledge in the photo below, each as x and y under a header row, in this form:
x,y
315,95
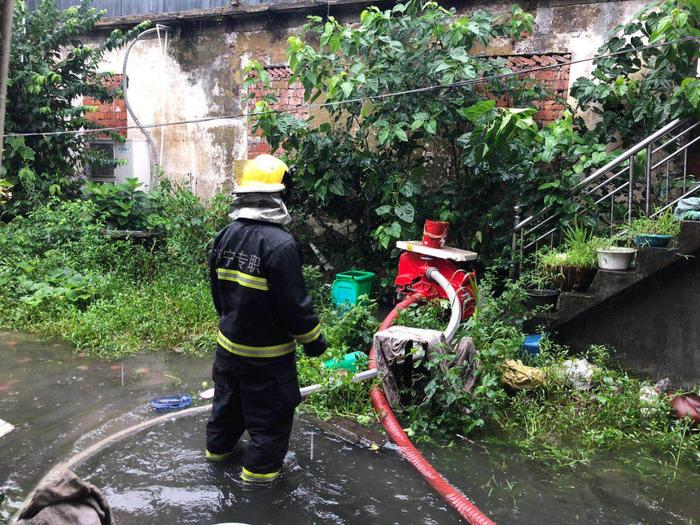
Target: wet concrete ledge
x,y
288,7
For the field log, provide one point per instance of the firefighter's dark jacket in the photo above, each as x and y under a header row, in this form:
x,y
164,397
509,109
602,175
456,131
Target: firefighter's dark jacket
x,y
259,293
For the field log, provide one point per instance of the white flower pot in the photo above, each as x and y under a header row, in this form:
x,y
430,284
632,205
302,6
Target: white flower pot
x,y
615,258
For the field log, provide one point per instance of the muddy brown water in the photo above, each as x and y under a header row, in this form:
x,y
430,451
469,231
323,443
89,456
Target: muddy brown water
x,y
61,403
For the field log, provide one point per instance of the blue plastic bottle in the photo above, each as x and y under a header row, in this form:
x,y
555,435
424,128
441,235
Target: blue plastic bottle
x,y
175,402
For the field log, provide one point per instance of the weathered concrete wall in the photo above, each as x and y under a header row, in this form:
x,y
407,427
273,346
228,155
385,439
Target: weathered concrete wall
x,y
202,72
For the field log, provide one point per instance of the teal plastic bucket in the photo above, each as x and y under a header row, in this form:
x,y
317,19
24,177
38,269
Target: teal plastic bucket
x,y
348,362
349,286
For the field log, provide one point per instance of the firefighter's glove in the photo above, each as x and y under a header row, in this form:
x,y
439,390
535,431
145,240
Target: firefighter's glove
x,y
316,348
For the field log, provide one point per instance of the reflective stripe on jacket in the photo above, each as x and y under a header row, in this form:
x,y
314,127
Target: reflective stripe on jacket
x,y
259,291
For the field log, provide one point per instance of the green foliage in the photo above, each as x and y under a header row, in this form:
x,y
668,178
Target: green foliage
x,y
61,274
5,193
347,331
171,312
578,250
565,427
636,92
664,224
58,287
371,163
554,423
441,405
123,206
319,287
188,223
50,67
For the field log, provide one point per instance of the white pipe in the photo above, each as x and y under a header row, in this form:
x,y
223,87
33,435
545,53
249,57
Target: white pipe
x,y
431,273
93,449
456,317
357,378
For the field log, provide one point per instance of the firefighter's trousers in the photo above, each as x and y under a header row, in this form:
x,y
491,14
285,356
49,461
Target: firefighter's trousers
x,y
257,397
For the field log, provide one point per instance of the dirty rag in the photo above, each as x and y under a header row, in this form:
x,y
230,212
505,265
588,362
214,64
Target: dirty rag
x,y
65,499
521,377
393,344
688,209
396,342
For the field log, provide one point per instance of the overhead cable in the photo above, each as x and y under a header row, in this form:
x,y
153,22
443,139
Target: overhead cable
x,y
296,109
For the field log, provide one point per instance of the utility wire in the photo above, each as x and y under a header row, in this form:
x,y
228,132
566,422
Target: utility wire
x,y
296,109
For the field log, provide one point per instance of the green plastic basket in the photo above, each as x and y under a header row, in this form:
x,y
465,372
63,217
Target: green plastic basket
x,y
349,286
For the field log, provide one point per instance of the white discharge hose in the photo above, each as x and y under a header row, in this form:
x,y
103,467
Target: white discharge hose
x,y
455,303
450,331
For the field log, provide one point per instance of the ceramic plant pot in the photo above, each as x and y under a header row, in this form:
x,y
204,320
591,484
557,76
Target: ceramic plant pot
x,y
615,258
544,297
655,241
574,278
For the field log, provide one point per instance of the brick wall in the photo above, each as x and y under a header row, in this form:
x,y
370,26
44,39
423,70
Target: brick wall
x,y
288,96
108,114
555,79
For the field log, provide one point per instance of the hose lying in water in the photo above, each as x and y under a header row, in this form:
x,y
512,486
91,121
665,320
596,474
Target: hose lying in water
x,y
449,493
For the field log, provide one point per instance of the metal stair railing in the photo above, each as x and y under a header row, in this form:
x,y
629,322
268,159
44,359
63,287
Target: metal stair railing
x,y
616,185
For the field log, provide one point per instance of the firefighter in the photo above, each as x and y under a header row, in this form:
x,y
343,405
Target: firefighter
x,y
264,311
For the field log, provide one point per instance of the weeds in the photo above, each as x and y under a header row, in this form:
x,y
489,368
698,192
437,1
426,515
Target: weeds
x,y
664,224
554,423
61,276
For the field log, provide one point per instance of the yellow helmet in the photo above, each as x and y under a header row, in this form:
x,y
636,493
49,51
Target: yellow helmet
x,y
263,174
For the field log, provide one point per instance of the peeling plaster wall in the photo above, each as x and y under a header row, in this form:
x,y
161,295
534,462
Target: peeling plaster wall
x,y
577,29
202,73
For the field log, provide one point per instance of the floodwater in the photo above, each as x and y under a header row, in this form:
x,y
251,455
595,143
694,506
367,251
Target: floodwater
x,y
61,404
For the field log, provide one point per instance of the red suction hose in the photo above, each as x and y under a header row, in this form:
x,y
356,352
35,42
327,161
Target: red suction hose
x,y
450,494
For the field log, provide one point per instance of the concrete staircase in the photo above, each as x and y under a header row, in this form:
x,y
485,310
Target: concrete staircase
x,y
649,315
607,284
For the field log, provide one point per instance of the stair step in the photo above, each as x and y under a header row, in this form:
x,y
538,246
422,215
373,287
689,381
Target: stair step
x,y
611,281
608,283
689,238
651,260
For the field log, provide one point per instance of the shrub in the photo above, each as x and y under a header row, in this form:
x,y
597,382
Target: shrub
x,y
635,93
664,224
384,165
50,68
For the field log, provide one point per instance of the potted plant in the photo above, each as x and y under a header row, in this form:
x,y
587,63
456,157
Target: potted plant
x,y
655,232
612,257
572,268
539,290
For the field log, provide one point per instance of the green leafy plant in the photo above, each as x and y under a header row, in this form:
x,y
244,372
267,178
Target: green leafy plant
x,y
5,193
188,222
371,164
663,224
57,287
51,68
536,279
636,92
578,250
123,206
441,405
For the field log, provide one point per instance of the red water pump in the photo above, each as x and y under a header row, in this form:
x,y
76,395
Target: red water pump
x,y
452,263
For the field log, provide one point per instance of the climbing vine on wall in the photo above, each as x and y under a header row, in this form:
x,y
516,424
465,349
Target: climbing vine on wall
x,y
635,93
